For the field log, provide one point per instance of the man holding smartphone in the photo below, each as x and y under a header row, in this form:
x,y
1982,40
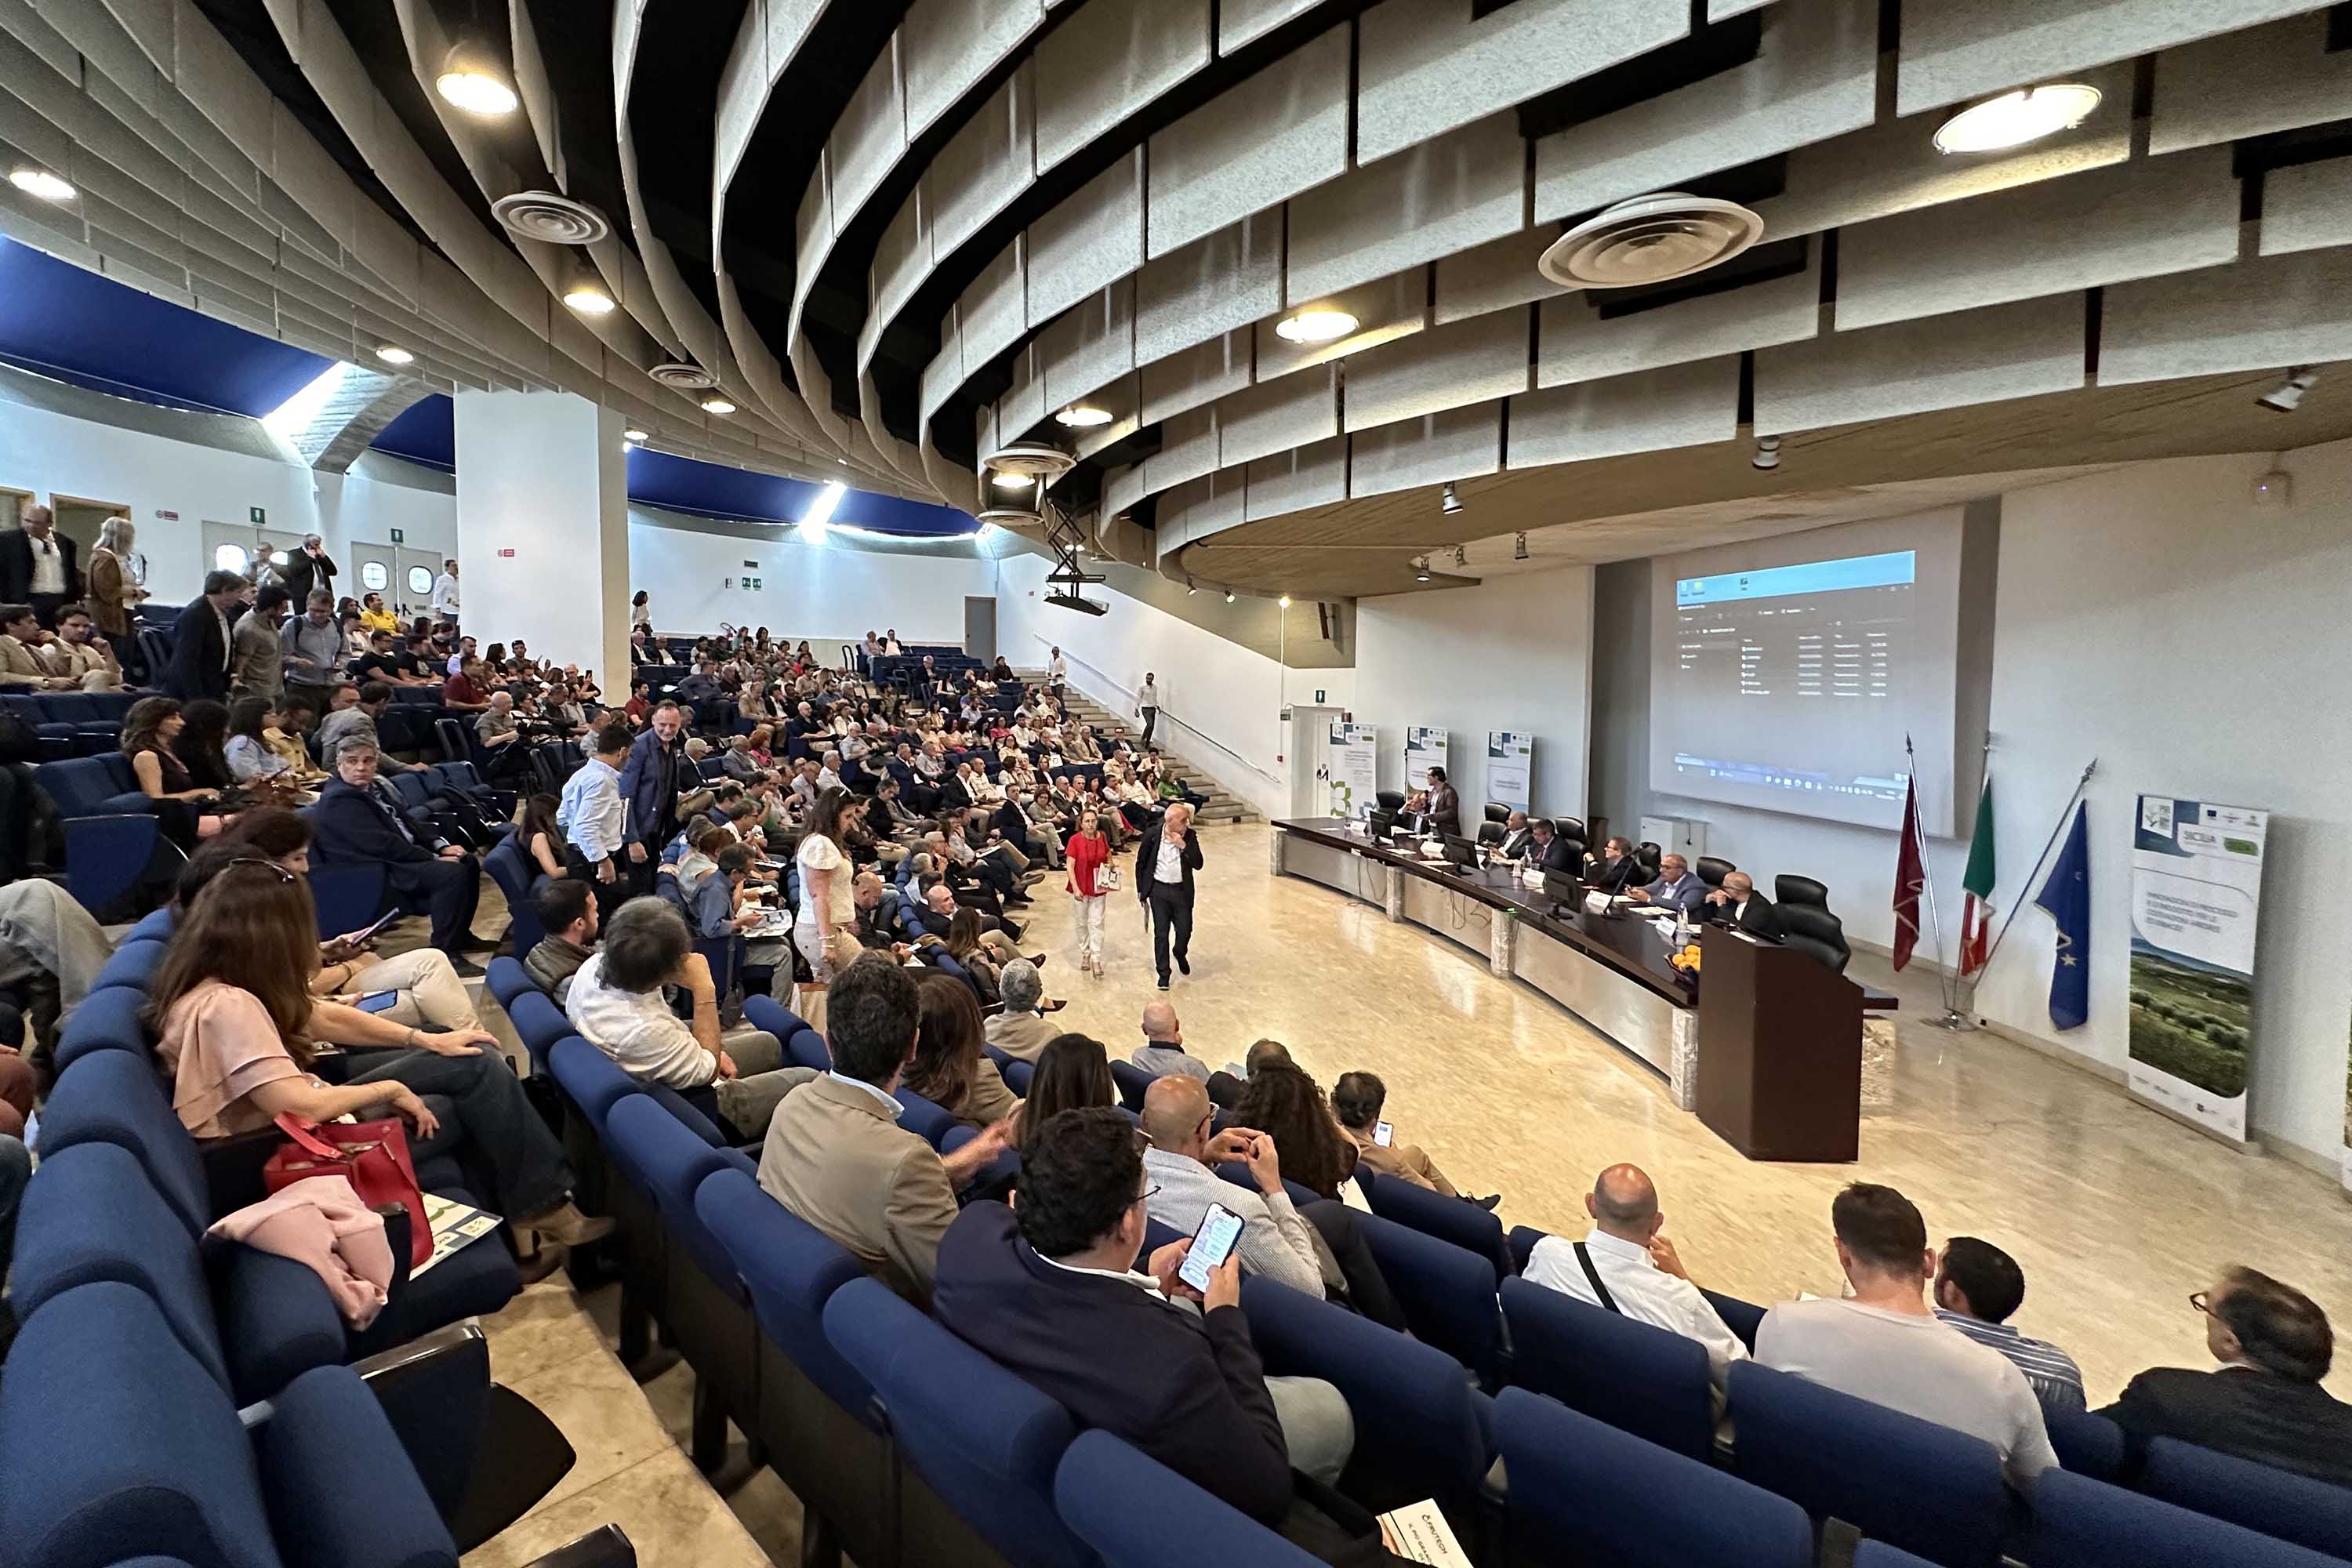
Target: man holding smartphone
x,y
1049,1288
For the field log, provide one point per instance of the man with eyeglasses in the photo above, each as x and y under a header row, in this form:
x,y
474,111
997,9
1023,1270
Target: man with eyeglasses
x,y
2263,1403
1049,1288
353,824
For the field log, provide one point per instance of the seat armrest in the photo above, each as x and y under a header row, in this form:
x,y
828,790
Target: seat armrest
x,y
605,1547
435,1390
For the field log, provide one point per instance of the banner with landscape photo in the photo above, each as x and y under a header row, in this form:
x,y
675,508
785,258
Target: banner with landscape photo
x,y
2197,879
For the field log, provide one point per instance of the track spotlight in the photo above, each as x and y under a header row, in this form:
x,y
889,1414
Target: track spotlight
x,y
1461,555
1448,502
2287,395
1767,452
1421,570
1229,595
1519,550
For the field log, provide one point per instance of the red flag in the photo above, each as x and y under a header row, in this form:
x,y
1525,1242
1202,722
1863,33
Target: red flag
x,y
1910,876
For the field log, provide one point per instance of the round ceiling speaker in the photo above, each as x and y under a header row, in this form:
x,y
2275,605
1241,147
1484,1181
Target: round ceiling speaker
x,y
556,219
682,375
1649,239
1031,460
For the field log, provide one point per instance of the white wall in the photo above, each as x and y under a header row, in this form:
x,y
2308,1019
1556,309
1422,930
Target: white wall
x,y
1514,653
51,453
829,594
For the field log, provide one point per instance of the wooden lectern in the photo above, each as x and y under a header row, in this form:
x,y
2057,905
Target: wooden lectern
x,y
1780,1051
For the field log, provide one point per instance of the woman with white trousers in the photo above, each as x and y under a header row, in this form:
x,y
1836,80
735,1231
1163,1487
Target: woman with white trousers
x,y
1091,880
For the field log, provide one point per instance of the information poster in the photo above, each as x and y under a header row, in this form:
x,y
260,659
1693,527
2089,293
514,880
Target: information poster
x,y
1510,758
1355,756
2197,888
1424,749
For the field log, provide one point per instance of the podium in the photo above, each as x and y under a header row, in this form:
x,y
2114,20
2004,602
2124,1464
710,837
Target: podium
x,y
1780,1051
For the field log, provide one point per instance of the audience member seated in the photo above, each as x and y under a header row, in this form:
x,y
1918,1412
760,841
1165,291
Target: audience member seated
x,y
1614,869
540,836
1885,1345
1162,1051
1738,903
1626,1265
351,717
1549,852
239,1031
148,731
835,1155
80,655
204,734
52,948
1073,1074
1676,888
1978,1287
354,825
950,1070
250,757
2264,1402
1284,1103
617,1001
967,942
1276,1241
568,911
506,754
1021,1031
24,660
1049,1288
1357,1101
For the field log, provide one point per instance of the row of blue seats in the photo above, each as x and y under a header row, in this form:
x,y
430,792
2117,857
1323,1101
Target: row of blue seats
x,y
69,723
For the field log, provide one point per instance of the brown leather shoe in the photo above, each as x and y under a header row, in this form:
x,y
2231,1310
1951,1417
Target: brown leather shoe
x,y
566,1225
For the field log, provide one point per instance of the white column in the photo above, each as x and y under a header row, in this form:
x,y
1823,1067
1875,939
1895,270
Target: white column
x,y
544,529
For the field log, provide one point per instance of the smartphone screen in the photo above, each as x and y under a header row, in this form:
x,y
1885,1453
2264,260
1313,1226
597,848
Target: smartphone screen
x,y
379,1001
1212,1245
1381,1133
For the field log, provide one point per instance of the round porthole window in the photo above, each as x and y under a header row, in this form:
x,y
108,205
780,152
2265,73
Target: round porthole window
x,y
372,577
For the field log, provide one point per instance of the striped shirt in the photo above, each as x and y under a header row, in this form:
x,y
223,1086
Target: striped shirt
x,y
2052,1373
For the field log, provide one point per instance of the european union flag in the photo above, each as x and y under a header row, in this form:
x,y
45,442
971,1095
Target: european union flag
x,y
2066,894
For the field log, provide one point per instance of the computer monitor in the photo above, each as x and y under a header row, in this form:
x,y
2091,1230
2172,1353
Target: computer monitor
x,y
1460,851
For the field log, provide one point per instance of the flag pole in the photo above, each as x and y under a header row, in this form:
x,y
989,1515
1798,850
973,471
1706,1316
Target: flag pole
x,y
2066,815
1961,1016
1944,985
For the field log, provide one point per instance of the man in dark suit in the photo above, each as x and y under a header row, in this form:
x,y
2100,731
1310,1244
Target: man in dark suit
x,y
353,825
1738,904
309,569
1549,850
657,768
1518,835
1166,858
1676,889
203,641
37,566
1048,1290
1442,809
1615,869
2264,1403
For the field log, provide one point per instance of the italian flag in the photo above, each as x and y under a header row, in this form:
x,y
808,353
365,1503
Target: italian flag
x,y
1977,912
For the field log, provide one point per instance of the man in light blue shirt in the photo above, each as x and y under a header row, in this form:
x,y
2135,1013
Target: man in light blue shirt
x,y
595,820
1675,887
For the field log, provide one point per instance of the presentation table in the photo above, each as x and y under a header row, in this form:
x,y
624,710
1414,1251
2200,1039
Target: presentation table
x,y
1616,973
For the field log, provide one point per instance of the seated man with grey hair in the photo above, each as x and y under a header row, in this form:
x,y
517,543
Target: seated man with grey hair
x,y
1021,1031
618,1003
1626,1266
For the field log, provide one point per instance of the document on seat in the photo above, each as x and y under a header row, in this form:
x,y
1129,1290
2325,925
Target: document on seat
x,y
1419,1533
455,1225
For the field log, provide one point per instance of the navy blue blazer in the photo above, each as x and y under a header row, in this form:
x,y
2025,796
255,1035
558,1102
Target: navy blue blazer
x,y
641,785
351,826
1186,1389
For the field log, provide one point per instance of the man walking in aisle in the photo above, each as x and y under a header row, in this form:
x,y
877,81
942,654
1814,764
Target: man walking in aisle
x,y
1166,858
1146,707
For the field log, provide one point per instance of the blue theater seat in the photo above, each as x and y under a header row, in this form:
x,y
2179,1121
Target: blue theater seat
x,y
107,1020
1446,1293
2259,1497
133,965
2082,1523
925,1119
1465,1224
1136,1512
539,1025
507,979
1632,1375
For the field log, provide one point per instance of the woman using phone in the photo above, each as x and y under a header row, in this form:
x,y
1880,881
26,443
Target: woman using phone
x,y
1087,855
239,1031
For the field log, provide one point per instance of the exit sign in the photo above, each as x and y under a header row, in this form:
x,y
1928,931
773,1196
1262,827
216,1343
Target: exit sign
x,y
506,555
398,537
260,515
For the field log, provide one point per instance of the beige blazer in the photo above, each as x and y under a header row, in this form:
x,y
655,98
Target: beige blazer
x,y
1022,1035
837,1159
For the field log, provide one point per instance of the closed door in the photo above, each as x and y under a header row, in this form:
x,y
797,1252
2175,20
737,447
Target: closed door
x,y
979,628
372,569
417,570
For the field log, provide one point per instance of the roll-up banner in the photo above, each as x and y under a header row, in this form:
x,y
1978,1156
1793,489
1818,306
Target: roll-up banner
x,y
1510,758
1355,756
2197,890
1424,749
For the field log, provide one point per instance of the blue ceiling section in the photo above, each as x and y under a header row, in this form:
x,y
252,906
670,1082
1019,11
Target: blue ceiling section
x,y
682,484
426,432
73,325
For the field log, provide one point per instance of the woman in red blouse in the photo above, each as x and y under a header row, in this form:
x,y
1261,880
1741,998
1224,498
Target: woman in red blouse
x,y
1088,856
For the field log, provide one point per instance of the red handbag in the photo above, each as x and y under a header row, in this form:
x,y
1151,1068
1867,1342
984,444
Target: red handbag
x,y
372,1155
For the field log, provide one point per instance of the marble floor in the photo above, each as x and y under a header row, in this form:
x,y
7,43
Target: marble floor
x,y
2114,1213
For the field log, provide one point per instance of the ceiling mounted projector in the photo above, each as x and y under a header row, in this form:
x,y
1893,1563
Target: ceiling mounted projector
x,y
1649,239
549,217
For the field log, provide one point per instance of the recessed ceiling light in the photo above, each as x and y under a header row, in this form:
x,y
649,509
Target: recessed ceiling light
x,y
714,404
1285,601
1005,480
588,298
37,181
474,82
633,434
393,354
2016,118
1317,324
1084,416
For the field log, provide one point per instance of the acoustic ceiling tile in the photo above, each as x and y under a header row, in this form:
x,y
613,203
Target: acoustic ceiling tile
x,y
1023,407
983,166
1188,449
1471,362
1916,367
991,309
1262,420
902,259
1494,276
1425,66
1106,62
2249,84
1122,487
869,137
1458,444
1649,411
1199,292
1196,375
2308,206
1093,238
1090,345
1390,309
1310,476
1575,343
2275,312
1257,143
2135,220
948,46
1121,400
1241,21
1463,189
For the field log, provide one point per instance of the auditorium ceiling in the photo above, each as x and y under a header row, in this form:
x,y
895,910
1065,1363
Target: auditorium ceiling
x,y
1266,271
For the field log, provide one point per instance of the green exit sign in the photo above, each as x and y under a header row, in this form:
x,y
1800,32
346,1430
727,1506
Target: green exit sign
x,y
398,537
260,515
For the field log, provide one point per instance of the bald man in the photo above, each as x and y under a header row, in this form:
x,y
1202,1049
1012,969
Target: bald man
x,y
1738,904
1162,1050
1626,1265
1276,1241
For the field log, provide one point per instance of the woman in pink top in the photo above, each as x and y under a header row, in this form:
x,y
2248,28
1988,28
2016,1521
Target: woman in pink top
x,y
1087,853
239,1030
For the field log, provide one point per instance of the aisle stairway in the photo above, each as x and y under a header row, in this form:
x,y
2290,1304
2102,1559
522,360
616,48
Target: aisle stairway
x,y
1222,806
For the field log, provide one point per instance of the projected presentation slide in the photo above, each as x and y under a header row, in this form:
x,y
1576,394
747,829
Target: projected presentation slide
x,y
1789,682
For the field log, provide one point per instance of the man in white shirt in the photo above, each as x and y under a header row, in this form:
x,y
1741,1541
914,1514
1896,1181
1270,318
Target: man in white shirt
x,y
1885,1345
1162,1050
1276,1241
1147,704
1057,672
617,1003
445,594
594,819
1627,1266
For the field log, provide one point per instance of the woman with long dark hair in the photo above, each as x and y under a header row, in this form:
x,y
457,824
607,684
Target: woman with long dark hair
x,y
542,839
826,925
201,743
239,1030
964,945
1073,1074
1281,1100
950,1070
247,752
